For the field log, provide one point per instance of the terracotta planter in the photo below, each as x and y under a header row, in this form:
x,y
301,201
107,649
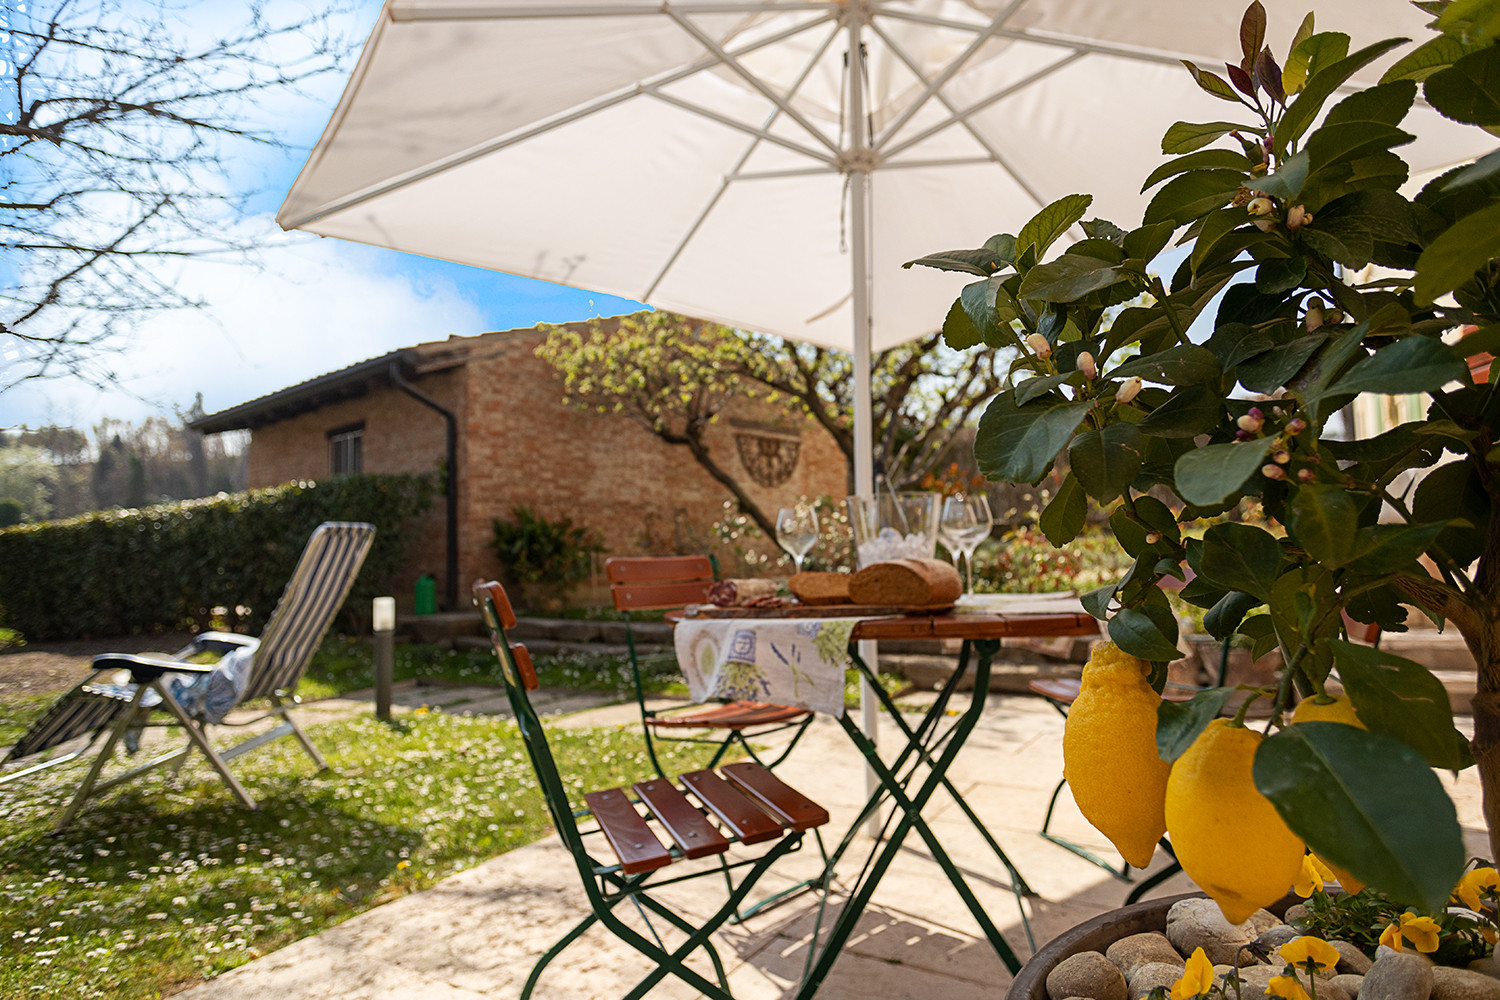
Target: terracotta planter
x,y
1097,935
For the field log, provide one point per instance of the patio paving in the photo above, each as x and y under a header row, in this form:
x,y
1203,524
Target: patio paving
x,y
477,933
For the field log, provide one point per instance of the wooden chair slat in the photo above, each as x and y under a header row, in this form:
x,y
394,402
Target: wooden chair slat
x,y
775,796
632,840
524,665
689,828
732,715
658,569
648,596
1061,689
744,818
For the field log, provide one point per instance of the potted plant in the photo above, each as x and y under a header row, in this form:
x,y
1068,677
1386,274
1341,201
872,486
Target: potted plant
x,y
1287,208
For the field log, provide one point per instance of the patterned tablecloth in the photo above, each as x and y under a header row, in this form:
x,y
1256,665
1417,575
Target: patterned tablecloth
x,y
785,661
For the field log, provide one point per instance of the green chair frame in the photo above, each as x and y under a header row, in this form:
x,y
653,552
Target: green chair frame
x,y
773,816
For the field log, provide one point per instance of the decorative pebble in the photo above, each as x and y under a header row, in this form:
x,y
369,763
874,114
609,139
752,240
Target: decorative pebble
x,y
1198,923
1488,965
1351,959
1346,981
1398,976
1266,945
1297,913
1087,974
1130,953
1462,984
1153,975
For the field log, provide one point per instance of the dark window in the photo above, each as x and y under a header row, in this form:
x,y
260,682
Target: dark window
x,y
344,448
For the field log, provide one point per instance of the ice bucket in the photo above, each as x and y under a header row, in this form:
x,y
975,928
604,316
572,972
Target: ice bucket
x,y
894,526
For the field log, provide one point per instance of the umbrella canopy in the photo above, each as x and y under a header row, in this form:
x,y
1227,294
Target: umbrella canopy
x,y
769,164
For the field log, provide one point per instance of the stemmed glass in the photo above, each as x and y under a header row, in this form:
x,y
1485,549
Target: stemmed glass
x,y
797,531
966,521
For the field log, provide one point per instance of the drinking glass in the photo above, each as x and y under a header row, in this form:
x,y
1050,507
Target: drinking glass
x,y
966,521
797,531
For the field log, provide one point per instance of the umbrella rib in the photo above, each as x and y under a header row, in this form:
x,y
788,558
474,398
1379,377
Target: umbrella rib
x,y
1060,42
725,120
496,145
934,85
755,82
734,172
411,11
962,117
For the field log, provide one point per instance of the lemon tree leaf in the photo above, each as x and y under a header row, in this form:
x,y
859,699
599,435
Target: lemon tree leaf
x,y
1368,804
1178,725
1051,222
1401,699
1017,443
1411,364
1205,476
1148,632
1106,461
1324,520
1063,518
1242,557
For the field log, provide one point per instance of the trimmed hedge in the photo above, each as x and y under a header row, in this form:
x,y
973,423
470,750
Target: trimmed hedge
x,y
166,567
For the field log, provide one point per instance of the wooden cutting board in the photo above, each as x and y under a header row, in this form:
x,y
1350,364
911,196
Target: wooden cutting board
x,y
821,611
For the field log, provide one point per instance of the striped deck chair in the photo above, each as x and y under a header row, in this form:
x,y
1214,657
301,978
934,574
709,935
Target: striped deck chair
x,y
196,696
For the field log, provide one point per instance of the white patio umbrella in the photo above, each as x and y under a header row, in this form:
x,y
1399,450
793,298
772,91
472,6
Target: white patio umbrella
x,y
770,163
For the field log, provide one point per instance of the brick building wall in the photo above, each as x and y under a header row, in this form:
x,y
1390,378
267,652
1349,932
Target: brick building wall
x,y
520,445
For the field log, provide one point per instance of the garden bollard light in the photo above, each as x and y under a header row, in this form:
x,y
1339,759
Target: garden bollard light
x,y
385,653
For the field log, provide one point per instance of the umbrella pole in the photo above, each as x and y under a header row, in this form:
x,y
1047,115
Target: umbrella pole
x,y
864,444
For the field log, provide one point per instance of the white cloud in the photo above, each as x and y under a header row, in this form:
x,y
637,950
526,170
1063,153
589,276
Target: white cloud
x,y
316,306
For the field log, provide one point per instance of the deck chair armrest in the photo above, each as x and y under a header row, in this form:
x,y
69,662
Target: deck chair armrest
x,y
145,667
216,642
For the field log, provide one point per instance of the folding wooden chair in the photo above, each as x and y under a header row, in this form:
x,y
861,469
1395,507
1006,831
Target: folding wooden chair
x,y
277,660
709,815
655,583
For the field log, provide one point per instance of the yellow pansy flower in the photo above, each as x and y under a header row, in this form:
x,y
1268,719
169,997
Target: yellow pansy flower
x,y
1422,932
1286,986
1477,882
1308,948
1197,978
1309,879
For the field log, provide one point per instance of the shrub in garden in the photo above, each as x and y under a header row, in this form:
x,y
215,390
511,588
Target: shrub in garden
x,y
168,566
545,557
1302,191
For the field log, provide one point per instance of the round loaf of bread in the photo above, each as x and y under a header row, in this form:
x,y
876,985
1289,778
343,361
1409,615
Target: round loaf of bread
x,y
906,583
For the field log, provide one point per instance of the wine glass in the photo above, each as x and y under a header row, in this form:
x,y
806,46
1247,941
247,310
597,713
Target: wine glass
x,y
966,522
797,531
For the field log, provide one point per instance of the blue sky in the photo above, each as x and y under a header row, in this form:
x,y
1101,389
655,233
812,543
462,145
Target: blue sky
x,y
316,305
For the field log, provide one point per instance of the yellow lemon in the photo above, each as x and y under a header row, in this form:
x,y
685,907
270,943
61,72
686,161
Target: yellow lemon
x,y
1228,837
1109,753
1338,709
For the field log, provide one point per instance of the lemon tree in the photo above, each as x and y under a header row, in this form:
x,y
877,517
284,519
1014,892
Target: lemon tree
x,y
1286,203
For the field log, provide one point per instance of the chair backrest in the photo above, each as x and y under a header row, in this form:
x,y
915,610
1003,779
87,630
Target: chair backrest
x,y
519,677
648,583
313,595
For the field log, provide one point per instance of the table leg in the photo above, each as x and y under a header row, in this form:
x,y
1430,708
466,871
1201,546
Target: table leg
x,y
910,809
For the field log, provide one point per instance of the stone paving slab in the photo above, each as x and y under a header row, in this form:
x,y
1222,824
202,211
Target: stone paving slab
x,y
479,932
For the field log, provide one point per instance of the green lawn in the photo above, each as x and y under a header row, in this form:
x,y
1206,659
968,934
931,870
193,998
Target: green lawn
x,y
168,881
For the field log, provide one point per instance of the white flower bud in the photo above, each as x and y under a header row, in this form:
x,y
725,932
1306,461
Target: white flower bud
x,y
1259,205
1250,422
1265,225
1128,390
1273,472
1297,216
1039,346
1087,366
